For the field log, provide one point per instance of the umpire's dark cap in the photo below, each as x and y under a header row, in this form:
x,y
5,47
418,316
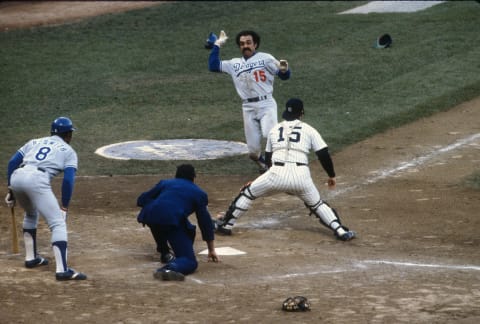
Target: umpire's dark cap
x,y
185,171
293,109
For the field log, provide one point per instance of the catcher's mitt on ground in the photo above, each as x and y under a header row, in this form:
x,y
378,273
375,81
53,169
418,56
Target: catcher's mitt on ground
x,y
296,304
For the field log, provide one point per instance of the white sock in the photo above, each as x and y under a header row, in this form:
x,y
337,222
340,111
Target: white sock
x,y
29,246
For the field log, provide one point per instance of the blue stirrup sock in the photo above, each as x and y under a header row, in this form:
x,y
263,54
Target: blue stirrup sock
x,y
60,252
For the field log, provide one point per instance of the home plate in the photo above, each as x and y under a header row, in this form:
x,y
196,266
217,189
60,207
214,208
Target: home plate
x,y
225,251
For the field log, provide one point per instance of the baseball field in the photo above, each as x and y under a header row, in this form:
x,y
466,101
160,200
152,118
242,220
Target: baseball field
x,y
402,123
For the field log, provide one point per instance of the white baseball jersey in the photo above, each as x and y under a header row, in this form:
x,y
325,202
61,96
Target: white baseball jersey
x,y
291,142
252,77
51,153
43,159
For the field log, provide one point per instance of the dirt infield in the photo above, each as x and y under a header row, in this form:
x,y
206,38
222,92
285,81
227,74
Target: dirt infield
x,y
417,257
25,14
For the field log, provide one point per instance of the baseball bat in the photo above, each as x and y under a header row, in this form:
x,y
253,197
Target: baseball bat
x,y
14,231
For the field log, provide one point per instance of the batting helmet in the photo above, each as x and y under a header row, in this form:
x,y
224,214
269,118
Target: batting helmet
x,y
62,125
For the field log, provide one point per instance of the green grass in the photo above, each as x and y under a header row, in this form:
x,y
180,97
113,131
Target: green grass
x,y
143,75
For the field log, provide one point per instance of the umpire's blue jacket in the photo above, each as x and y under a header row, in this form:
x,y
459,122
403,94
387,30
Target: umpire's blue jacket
x,y
172,201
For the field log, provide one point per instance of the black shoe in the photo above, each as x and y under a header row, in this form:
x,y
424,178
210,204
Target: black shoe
x,y
223,231
218,227
167,257
169,275
70,274
38,261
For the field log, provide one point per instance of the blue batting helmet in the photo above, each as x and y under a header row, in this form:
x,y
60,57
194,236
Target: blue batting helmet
x,y
62,125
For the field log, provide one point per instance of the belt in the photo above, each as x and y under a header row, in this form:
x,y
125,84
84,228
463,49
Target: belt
x,y
283,163
38,168
255,99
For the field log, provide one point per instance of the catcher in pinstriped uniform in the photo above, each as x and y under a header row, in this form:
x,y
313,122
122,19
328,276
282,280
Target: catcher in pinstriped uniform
x,y
286,154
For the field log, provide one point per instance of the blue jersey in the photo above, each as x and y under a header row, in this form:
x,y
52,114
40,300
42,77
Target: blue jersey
x,y
172,201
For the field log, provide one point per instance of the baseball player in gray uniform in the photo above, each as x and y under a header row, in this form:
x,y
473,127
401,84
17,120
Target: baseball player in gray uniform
x,y
286,153
29,174
253,75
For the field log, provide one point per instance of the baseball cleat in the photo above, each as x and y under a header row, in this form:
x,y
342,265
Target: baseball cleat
x,y
347,236
70,274
167,257
223,231
219,228
168,275
38,261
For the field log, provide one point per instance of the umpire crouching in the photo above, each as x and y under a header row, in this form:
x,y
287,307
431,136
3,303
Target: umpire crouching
x,y
165,210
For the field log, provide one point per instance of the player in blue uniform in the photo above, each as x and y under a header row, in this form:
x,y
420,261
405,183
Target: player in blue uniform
x,y
30,171
165,210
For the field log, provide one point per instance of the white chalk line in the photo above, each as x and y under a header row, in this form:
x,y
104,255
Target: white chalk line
x,y
403,166
424,265
359,265
381,175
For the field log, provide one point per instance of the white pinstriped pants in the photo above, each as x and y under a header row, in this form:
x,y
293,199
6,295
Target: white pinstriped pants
x,y
290,178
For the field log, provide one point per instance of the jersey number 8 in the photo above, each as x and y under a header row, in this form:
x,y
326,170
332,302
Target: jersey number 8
x,y
42,153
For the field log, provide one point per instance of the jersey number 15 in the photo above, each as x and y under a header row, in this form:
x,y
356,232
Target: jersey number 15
x,y
293,137
260,76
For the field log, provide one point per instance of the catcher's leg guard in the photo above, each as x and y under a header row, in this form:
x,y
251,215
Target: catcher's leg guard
x,y
328,217
237,208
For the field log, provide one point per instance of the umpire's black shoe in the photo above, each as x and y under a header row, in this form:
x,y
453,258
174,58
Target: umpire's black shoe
x,y
38,261
169,275
70,274
167,257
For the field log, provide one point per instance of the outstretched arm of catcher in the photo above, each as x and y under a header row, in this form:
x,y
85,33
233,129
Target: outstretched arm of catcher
x,y
327,164
268,159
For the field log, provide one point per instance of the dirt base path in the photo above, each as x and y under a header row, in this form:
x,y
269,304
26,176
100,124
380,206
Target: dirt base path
x,y
25,14
416,259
